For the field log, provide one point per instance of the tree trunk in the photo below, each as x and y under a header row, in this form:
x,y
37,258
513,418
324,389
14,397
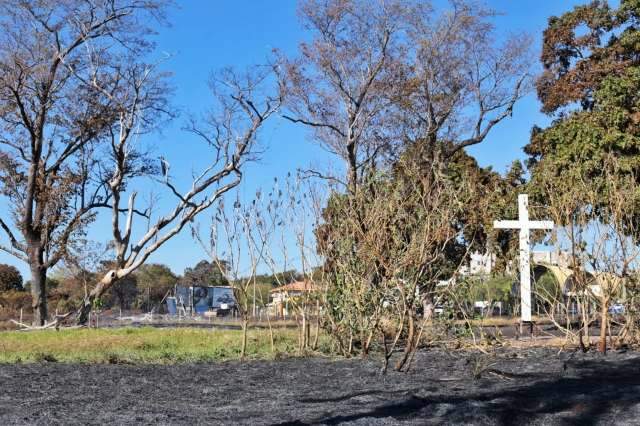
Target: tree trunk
x,y
385,362
308,334
271,339
366,345
302,333
243,350
427,308
39,294
314,346
604,319
410,342
83,313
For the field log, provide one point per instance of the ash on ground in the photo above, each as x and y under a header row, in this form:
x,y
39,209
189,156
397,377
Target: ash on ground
x,y
524,386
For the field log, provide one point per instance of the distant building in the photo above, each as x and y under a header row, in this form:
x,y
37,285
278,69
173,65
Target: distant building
x,y
483,264
283,297
201,300
479,264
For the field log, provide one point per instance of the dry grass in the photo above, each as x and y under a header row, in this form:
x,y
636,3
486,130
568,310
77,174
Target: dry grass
x,y
503,321
141,345
537,342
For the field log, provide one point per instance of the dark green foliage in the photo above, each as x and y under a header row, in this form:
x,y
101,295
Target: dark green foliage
x,y
124,292
205,274
547,290
154,281
592,84
10,278
281,278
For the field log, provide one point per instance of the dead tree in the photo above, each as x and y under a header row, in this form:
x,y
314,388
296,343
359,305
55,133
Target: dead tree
x,y
285,231
602,249
53,118
378,76
231,131
461,83
339,86
232,246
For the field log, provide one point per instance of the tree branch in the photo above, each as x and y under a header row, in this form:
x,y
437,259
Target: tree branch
x,y
313,124
14,242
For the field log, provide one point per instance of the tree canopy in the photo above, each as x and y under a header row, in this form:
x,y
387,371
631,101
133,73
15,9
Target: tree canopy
x,y
591,86
10,278
205,273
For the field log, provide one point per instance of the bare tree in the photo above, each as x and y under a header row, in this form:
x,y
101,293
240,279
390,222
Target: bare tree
x,y
286,229
340,85
459,82
603,251
380,75
232,246
231,132
272,231
269,232
55,106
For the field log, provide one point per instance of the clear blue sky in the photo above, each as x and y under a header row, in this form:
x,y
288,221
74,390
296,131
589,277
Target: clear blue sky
x,y
206,35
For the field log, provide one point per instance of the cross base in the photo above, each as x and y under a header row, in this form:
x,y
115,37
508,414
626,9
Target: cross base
x,y
520,327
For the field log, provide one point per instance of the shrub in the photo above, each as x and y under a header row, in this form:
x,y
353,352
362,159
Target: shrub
x,y
14,300
10,278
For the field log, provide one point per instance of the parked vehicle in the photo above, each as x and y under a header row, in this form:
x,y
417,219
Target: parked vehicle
x,y
616,309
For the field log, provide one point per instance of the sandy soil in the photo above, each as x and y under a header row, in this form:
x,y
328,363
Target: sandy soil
x,y
527,386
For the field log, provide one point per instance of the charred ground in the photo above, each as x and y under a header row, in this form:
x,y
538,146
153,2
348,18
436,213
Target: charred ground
x,y
511,387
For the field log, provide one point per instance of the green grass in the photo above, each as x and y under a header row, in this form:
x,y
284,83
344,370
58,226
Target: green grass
x,y
141,345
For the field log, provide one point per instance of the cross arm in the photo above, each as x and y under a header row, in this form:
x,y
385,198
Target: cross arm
x,y
506,224
541,224
516,224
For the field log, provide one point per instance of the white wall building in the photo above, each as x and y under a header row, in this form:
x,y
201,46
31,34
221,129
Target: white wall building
x,y
479,264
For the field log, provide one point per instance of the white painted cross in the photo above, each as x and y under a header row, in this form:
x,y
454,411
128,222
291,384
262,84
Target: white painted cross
x,y
524,225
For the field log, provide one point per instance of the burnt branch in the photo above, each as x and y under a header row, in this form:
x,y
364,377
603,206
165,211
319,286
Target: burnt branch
x,y
242,111
14,242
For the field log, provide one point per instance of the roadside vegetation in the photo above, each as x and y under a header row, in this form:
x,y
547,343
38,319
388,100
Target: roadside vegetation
x,y
145,345
396,91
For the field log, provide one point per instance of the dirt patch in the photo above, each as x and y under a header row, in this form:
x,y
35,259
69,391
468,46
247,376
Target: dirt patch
x,y
515,387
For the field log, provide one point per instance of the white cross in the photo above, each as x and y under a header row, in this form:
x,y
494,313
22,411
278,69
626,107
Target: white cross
x,y
524,225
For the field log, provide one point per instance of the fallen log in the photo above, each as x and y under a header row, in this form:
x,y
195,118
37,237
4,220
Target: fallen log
x,y
26,327
53,324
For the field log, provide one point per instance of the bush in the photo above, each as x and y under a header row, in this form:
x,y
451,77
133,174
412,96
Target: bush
x,y
15,300
66,305
10,278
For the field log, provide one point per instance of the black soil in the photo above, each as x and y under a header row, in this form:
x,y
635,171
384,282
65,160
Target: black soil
x,y
525,387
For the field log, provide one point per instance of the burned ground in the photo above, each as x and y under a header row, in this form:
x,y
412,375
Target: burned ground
x,y
515,387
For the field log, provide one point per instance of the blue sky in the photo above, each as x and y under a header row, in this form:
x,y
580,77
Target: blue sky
x,y
206,35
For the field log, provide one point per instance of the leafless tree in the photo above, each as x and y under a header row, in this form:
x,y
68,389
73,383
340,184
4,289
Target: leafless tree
x,y
603,251
380,75
232,246
459,82
243,104
268,232
290,212
340,84
55,106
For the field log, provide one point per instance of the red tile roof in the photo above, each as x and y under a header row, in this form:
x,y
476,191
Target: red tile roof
x,y
296,286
